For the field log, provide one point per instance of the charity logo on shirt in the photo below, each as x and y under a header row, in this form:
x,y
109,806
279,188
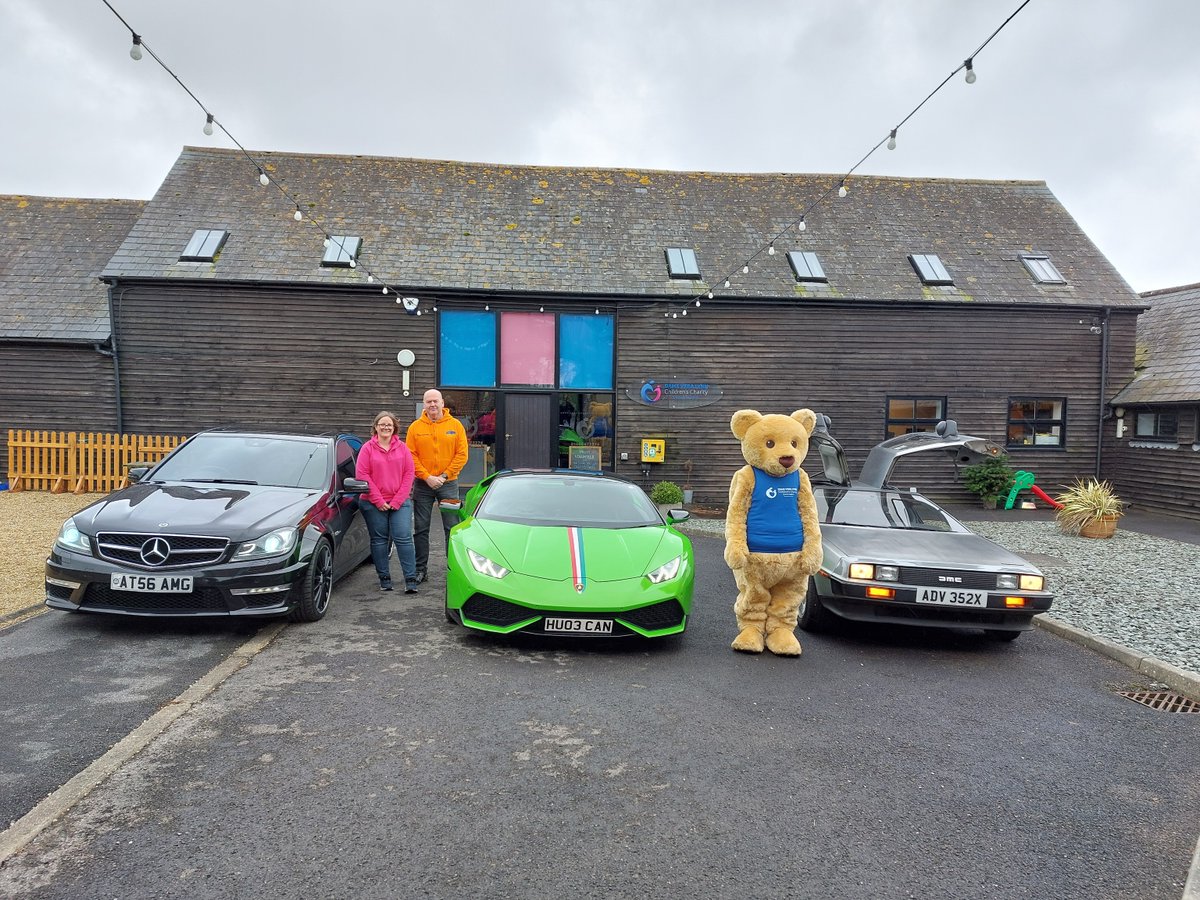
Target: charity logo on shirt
x,y
773,523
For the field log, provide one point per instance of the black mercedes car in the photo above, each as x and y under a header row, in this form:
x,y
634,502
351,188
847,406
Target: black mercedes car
x,y
231,523
894,556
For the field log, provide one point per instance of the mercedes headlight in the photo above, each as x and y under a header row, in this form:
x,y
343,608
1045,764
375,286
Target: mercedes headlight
x,y
273,543
72,538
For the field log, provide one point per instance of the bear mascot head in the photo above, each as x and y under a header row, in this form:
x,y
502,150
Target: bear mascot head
x,y
772,536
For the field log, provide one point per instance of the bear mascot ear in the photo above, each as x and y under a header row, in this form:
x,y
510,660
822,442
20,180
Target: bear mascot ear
x,y
743,420
806,417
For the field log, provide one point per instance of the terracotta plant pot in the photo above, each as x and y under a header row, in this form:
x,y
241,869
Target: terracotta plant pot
x,y
1104,527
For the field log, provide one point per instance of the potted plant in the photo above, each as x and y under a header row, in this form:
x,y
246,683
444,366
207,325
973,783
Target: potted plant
x,y
990,480
688,466
666,495
1089,509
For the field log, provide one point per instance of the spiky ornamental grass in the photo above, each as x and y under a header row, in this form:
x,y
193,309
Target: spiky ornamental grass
x,y
1087,501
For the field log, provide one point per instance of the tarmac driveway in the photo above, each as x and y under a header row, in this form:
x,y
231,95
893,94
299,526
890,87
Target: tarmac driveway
x,y
383,753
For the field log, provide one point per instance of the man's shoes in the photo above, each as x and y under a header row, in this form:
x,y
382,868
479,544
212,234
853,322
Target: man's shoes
x,y
410,588
420,576
385,585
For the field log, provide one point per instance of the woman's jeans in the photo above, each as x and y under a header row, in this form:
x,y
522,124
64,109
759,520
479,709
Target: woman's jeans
x,y
387,527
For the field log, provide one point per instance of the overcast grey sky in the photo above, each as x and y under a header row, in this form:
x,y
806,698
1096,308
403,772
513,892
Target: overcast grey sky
x,y
1099,98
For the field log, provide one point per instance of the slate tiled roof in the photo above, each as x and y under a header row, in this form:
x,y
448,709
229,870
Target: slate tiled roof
x,y
429,224
51,253
1168,337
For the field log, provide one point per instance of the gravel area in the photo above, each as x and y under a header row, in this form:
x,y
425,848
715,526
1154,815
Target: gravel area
x,y
1132,589
29,523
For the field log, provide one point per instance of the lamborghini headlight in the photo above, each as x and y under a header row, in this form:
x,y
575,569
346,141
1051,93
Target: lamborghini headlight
x,y
665,572
485,566
273,543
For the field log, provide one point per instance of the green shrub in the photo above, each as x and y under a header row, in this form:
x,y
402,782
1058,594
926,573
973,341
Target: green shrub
x,y
666,493
990,479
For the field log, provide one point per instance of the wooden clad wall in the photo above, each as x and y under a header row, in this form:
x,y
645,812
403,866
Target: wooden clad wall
x,y
198,357
845,361
266,357
1162,479
54,387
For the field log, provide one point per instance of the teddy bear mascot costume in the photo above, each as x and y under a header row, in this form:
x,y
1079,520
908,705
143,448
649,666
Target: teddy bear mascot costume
x,y
772,535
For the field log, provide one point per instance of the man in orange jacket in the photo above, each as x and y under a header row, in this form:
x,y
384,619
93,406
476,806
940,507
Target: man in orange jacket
x,y
438,443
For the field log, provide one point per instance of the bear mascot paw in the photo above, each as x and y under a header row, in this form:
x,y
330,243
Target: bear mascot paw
x,y
772,535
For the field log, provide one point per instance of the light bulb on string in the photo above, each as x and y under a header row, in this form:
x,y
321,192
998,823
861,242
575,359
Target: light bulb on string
x,y
263,178
135,52
354,264
684,313
892,140
326,243
674,315
726,282
970,64
709,296
771,250
385,290
208,129
297,215
843,190
370,278
745,270
801,225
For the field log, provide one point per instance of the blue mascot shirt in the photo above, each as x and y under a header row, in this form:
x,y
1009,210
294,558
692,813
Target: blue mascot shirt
x,y
773,524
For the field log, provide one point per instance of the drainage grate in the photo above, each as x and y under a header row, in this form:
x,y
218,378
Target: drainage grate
x,y
1167,701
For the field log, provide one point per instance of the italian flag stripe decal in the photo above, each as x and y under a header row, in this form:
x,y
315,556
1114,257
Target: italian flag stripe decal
x,y
578,566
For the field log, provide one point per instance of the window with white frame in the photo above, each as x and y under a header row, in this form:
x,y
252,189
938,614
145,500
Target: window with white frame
x,y
1156,426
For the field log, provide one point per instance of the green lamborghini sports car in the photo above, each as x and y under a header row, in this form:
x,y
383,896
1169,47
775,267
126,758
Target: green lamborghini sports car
x,y
564,552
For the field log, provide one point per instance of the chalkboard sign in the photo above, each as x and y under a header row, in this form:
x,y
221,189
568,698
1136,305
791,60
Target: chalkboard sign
x,y
586,459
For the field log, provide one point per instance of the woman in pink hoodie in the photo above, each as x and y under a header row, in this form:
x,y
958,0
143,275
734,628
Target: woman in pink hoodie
x,y
386,465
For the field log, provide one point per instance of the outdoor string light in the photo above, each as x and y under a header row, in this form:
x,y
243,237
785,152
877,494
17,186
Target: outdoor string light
x,y
842,190
137,45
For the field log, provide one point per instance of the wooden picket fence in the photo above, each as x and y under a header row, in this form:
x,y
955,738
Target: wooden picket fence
x,y
61,461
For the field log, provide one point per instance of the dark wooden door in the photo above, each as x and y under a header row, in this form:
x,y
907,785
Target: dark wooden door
x,y
529,431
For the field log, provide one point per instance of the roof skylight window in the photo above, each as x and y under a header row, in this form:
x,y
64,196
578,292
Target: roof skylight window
x,y
341,250
681,263
930,268
204,246
1042,270
806,265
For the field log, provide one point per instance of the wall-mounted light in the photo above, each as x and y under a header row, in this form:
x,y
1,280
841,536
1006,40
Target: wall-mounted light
x,y
406,358
410,305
